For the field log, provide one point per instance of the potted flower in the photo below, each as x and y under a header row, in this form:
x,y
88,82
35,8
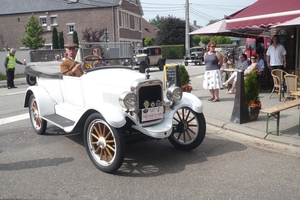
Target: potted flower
x,y
185,79
252,95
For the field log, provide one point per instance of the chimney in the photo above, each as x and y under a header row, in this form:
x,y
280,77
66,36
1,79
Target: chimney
x,y
195,23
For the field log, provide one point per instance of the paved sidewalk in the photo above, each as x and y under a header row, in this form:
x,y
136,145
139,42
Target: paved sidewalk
x,y
219,114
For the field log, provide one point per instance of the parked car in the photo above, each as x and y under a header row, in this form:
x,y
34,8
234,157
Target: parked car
x,y
151,56
196,56
112,105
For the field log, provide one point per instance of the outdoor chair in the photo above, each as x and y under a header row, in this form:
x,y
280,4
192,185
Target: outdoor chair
x,y
278,79
292,86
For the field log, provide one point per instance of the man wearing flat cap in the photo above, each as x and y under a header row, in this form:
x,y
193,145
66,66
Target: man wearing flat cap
x,y
69,66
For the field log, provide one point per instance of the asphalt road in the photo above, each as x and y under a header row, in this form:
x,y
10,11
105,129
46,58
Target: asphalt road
x,y
56,166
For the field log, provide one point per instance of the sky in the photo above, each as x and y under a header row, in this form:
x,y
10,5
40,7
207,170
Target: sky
x,y
200,10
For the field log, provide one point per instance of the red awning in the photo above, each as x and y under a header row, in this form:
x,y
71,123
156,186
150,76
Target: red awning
x,y
264,13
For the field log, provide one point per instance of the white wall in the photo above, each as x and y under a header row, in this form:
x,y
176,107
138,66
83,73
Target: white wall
x,y
20,56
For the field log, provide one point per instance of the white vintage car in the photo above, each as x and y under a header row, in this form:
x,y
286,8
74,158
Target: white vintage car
x,y
111,105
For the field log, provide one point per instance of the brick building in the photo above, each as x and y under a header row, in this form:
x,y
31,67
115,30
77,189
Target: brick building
x,y
121,18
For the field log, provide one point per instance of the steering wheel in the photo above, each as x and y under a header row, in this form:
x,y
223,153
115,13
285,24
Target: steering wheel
x,y
91,61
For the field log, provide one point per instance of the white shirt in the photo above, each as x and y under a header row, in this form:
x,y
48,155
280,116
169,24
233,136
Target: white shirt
x,y
276,54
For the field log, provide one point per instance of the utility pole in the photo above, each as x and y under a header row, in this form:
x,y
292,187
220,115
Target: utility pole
x,y
187,27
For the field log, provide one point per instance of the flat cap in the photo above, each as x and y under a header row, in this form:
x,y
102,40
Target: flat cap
x,y
70,44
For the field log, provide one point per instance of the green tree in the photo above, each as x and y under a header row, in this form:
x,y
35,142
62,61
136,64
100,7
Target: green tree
x,y
212,21
61,41
171,31
75,38
196,40
54,38
228,40
205,40
214,39
33,29
221,40
148,42
157,20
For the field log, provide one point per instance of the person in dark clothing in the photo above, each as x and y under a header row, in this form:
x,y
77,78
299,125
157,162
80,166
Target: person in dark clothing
x,y
10,65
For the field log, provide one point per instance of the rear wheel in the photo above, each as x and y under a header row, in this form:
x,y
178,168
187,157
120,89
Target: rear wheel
x,y
104,144
147,61
201,61
189,129
39,125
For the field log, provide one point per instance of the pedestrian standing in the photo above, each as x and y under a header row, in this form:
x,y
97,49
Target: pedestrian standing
x,y
276,55
212,78
10,66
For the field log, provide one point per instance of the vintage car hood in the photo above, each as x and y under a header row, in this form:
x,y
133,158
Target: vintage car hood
x,y
117,77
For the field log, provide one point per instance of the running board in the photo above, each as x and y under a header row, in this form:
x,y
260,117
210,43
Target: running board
x,y
62,122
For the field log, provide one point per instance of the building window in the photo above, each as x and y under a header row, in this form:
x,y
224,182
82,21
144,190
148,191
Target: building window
x,y
53,20
137,23
43,20
70,28
125,20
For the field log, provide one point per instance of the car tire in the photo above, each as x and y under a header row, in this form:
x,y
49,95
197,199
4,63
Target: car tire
x,y
201,61
186,64
105,145
161,64
189,129
147,61
31,80
38,124
143,67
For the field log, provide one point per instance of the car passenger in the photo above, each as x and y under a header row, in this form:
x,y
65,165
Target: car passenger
x,y
69,66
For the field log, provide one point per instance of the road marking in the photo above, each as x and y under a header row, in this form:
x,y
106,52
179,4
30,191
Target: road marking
x,y
15,93
13,119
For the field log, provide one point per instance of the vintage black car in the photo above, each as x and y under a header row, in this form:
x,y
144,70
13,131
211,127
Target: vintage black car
x,y
196,56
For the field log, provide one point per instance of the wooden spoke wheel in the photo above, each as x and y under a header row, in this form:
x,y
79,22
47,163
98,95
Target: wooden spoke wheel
x,y
104,144
39,125
189,129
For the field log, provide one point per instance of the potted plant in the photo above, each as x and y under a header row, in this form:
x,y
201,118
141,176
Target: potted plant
x,y
252,95
185,79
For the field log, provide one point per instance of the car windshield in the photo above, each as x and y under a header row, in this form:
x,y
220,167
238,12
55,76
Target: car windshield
x,y
113,54
196,50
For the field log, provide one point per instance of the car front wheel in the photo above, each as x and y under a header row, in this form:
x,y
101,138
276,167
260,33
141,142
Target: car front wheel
x,y
189,129
186,63
104,144
39,125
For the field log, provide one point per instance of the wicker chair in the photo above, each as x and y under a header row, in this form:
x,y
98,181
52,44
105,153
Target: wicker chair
x,y
278,77
291,83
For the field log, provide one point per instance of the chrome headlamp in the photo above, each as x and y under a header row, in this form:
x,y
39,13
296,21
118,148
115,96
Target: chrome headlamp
x,y
128,100
174,94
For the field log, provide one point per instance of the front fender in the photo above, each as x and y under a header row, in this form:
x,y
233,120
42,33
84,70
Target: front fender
x,y
44,102
113,115
191,101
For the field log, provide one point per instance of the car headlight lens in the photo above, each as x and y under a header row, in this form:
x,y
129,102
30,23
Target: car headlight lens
x,y
174,94
128,100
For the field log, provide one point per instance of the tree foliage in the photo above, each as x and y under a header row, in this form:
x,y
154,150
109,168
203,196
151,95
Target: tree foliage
x,y
54,38
148,41
157,20
61,41
205,40
90,35
212,21
33,29
75,38
171,31
196,40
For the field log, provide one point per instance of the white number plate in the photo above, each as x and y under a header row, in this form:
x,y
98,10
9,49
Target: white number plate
x,y
149,114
